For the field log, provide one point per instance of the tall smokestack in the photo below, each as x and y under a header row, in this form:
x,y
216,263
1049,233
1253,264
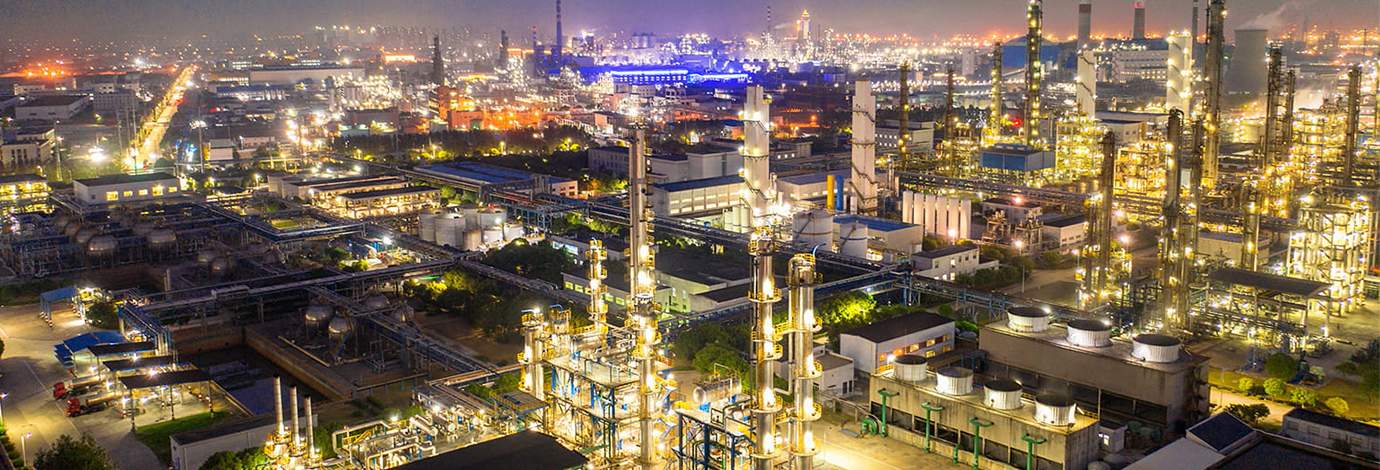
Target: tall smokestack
x,y
311,430
438,64
1034,74
1086,92
278,402
1353,123
1193,32
1212,70
1138,25
1247,74
502,48
295,424
1084,23
560,37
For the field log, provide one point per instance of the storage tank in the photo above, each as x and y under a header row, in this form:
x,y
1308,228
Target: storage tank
x,y
340,329
1054,409
102,245
716,390
85,235
911,368
162,238
72,228
426,226
955,381
205,257
513,232
490,217
1156,348
316,316
853,239
473,240
376,302
814,227
492,235
220,266
1089,334
448,229
1027,319
404,313
1002,394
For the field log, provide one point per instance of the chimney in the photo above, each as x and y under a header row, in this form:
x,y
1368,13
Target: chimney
x,y
1138,27
1084,23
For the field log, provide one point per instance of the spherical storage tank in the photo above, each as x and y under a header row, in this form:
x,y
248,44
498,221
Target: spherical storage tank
x,y
220,266
1027,319
955,381
814,227
162,238
340,329
205,257
85,235
910,368
376,302
1002,394
404,313
716,390
102,245
317,315
1054,409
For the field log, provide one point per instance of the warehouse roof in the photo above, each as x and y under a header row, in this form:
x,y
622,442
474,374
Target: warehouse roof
x,y
699,184
121,348
1266,281
134,382
1330,421
874,223
53,100
1220,432
946,251
125,179
897,327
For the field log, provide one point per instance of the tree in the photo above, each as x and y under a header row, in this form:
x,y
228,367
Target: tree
x,y
1338,405
1365,365
1275,387
1304,397
247,459
709,359
1281,366
1245,385
67,453
102,315
1250,414
845,311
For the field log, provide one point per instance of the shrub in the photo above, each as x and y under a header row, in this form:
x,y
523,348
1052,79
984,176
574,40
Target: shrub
x,y
1245,385
1304,397
1275,388
1248,413
1281,366
1338,405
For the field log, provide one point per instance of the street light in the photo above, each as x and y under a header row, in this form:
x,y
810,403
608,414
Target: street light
x,y
3,396
24,446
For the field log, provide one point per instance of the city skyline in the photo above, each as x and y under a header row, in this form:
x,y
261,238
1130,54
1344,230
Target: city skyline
x,y
130,19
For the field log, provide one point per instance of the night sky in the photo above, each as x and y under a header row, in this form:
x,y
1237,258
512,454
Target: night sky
x,y
94,19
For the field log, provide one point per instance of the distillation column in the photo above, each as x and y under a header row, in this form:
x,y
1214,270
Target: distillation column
x,y
533,351
1178,91
1097,286
991,133
643,312
1086,86
1180,237
759,196
1353,124
1034,74
598,307
1212,99
903,110
765,349
804,370
863,185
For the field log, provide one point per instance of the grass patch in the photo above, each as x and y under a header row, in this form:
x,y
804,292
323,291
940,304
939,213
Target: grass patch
x,y
156,435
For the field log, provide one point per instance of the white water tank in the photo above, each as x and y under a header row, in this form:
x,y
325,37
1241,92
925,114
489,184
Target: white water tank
x,y
814,227
853,239
1002,394
449,229
404,313
1027,319
1054,409
376,302
205,257
490,217
716,390
473,240
1156,348
513,232
85,235
955,381
493,234
426,226
911,368
1089,334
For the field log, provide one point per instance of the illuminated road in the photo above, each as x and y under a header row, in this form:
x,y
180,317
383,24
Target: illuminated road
x,y
145,151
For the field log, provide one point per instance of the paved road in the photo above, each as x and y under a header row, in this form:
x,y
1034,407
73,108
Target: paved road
x,y
29,370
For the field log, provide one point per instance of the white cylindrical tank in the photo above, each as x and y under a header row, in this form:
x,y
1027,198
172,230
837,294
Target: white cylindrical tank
x,y
1002,394
814,227
1089,334
853,239
473,240
911,368
426,226
317,315
716,390
954,381
102,245
513,232
1027,319
449,227
1156,348
490,217
1054,409
493,234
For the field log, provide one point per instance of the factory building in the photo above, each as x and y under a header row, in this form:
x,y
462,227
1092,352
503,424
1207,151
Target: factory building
x,y
26,147
1150,379
482,177
702,197
384,202
886,237
708,161
51,108
1064,231
992,424
303,188
810,187
1017,163
297,74
949,262
22,193
1329,431
1223,441
920,137
873,347
126,188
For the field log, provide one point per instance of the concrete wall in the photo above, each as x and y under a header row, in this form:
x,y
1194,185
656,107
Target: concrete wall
x,y
191,456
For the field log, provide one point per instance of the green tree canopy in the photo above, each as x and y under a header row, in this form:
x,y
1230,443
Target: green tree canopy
x,y
1281,366
67,453
252,458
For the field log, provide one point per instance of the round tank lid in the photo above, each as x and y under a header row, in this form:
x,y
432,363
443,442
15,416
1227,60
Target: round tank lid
x,y
911,359
1089,325
1054,399
1002,385
1027,312
956,372
1157,340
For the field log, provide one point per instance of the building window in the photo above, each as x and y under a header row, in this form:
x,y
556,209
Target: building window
x,y
158,190
128,194
143,193
112,196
